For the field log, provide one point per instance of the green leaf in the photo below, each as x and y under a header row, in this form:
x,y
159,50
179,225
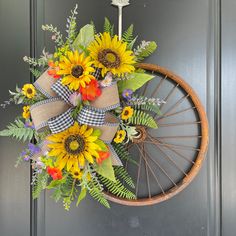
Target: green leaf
x,y
55,183
81,196
101,144
96,132
106,170
136,81
84,38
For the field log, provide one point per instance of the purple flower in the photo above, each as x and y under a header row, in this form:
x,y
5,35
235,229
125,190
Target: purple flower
x,y
29,124
26,158
75,99
127,94
33,148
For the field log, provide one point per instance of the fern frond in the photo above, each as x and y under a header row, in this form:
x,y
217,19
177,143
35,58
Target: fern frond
x,y
108,27
117,188
94,27
144,50
128,35
121,173
148,107
39,184
36,73
96,191
67,186
142,118
18,131
123,153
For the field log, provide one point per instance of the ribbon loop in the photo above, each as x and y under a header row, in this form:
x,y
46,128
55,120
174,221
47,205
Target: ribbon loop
x,y
43,111
62,91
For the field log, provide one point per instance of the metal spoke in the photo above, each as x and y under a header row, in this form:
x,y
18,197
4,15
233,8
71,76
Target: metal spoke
x,y
170,159
179,124
169,95
179,137
158,86
138,175
152,172
147,172
175,105
175,113
174,146
145,89
157,163
180,155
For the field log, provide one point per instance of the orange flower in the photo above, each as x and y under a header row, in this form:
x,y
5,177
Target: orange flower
x,y
54,68
102,156
91,91
54,172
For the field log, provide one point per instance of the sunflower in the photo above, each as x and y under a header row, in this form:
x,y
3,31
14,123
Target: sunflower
x,y
29,90
127,113
111,54
120,136
76,69
76,173
26,112
74,146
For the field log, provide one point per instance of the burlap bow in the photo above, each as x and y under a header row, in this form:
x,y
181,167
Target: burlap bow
x,y
55,111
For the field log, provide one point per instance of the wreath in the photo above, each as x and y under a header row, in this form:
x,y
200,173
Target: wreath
x,y
83,111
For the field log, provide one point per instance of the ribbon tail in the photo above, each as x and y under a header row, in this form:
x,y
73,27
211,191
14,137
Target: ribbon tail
x,y
114,157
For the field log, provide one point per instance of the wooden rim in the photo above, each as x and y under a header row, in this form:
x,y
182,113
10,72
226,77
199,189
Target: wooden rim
x,y
201,154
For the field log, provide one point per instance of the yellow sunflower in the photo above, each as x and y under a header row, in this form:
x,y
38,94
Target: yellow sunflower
x,y
127,113
74,146
111,54
26,112
76,173
29,90
120,136
76,69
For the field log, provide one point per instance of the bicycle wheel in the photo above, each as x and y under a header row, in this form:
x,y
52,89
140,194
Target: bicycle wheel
x,y
169,157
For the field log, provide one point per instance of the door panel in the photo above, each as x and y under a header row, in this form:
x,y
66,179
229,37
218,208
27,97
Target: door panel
x,y
14,183
228,118
182,36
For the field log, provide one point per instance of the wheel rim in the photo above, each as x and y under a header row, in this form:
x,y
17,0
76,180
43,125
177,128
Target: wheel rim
x,y
153,175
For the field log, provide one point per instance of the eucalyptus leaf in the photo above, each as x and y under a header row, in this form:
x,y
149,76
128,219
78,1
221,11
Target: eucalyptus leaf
x,y
106,170
84,38
134,82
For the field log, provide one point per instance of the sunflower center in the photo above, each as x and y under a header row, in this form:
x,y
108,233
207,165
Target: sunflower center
x,y
126,113
76,173
74,144
29,91
109,58
77,71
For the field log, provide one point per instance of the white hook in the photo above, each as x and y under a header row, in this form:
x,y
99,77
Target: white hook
x,y
120,4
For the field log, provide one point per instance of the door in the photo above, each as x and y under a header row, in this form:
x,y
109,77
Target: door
x,y
196,41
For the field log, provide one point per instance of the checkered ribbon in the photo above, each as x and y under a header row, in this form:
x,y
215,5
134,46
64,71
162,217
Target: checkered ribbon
x,y
61,122
90,116
62,91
